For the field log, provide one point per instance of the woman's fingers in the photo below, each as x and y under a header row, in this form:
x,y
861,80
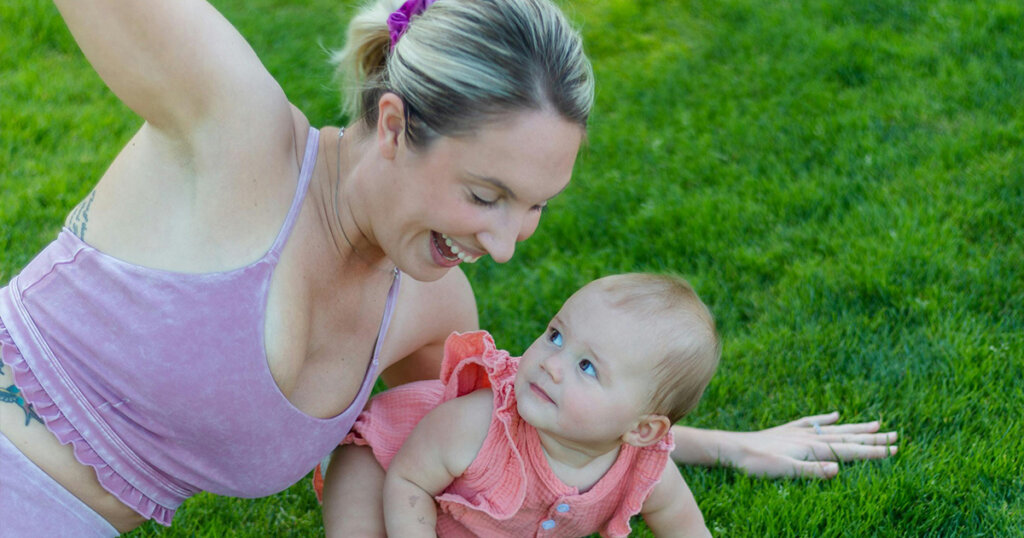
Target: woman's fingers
x,y
857,427
809,421
815,469
794,468
886,438
850,451
808,447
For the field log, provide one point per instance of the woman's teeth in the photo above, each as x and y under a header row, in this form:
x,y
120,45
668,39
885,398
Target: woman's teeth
x,y
457,251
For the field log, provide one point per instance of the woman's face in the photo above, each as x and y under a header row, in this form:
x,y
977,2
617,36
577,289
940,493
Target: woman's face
x,y
466,197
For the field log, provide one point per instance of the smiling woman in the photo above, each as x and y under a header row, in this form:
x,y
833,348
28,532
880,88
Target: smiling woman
x,y
483,193
216,310
270,253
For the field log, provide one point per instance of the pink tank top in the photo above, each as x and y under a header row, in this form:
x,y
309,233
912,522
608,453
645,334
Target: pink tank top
x,y
160,379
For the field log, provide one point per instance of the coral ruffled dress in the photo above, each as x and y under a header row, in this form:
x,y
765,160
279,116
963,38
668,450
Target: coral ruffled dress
x,y
509,489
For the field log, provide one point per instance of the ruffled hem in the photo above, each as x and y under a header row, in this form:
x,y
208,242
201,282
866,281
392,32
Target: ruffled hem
x,y
472,361
59,425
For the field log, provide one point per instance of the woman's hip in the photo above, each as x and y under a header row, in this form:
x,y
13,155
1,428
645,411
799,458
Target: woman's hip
x,y
42,484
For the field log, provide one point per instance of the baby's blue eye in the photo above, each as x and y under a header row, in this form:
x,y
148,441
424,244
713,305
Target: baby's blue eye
x,y
555,337
588,368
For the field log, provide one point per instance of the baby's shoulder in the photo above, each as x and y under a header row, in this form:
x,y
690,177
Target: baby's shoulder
x,y
464,422
472,412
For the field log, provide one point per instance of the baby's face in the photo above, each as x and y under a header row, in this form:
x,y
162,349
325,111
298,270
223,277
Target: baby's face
x,y
589,378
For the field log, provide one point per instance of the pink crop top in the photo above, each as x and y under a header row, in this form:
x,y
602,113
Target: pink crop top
x,y
160,379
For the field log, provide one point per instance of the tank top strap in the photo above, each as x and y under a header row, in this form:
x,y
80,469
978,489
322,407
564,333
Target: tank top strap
x,y
305,173
389,307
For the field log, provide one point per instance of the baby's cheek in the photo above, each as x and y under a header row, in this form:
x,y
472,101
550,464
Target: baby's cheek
x,y
578,413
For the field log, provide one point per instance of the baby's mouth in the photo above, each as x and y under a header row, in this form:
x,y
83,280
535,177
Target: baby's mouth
x,y
451,250
540,392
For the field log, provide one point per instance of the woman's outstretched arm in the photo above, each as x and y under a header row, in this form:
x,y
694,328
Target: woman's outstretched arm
x,y
792,450
177,63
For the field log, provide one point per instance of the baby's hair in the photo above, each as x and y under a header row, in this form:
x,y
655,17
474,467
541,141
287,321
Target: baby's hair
x,y
690,347
464,63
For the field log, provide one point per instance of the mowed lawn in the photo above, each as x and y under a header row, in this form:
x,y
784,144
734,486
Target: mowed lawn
x,y
843,182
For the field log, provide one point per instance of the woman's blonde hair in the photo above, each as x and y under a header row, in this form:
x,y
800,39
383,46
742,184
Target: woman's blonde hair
x,y
463,63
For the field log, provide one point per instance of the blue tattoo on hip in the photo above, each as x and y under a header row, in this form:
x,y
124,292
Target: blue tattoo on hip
x,y
12,395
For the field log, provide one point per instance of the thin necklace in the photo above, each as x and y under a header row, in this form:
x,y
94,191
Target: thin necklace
x,y
337,217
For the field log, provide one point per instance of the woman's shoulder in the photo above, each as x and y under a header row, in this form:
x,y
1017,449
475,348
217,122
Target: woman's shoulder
x,y
427,312
299,134
441,307
453,284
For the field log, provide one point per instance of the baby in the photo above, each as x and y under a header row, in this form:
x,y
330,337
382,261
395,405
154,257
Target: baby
x,y
570,439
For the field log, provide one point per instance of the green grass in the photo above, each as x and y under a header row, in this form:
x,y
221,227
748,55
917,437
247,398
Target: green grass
x,y
843,182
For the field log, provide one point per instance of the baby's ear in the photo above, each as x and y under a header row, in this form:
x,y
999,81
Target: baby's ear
x,y
649,429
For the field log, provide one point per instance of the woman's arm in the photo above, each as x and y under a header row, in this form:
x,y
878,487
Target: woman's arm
x,y
177,63
793,450
429,313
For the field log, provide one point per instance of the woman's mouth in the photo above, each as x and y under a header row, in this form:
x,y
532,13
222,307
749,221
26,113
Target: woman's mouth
x,y
450,250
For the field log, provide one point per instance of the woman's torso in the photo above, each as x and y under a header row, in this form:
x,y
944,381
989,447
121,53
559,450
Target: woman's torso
x,y
319,328
221,210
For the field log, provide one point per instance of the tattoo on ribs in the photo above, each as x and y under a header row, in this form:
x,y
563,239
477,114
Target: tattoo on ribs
x,y
12,395
78,220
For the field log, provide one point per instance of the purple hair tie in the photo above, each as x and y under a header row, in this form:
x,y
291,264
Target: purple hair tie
x,y
398,22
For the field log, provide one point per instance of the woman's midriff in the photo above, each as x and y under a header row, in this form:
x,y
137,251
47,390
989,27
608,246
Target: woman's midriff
x,y
42,447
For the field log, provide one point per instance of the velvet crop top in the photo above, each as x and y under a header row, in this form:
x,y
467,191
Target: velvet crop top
x,y
159,379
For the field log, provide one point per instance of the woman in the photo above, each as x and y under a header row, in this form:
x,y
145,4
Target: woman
x,y
215,311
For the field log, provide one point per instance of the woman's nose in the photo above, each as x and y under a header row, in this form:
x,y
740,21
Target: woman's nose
x,y
500,245
500,241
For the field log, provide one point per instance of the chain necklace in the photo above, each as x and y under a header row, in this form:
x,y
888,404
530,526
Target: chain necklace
x,y
337,217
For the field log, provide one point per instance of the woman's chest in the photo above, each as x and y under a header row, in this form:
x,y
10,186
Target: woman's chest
x,y
320,340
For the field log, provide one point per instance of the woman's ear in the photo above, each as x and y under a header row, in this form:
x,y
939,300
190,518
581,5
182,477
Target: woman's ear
x,y
648,430
390,124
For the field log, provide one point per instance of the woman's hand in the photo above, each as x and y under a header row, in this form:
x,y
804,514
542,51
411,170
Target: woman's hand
x,y
805,448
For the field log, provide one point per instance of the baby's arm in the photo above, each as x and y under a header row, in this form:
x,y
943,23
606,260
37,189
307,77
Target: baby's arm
x,y
671,510
439,450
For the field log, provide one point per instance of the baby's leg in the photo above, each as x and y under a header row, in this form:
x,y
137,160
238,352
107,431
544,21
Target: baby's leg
x,y
353,494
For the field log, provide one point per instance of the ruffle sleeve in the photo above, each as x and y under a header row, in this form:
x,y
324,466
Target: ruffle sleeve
x,y
495,483
648,465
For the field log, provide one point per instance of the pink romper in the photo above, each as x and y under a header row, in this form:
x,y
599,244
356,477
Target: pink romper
x,y
509,489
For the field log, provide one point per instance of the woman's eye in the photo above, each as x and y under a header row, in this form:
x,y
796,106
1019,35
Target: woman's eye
x,y
555,337
588,368
482,201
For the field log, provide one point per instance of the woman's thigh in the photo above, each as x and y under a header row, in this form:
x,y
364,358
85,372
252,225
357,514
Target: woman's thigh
x,y
354,494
